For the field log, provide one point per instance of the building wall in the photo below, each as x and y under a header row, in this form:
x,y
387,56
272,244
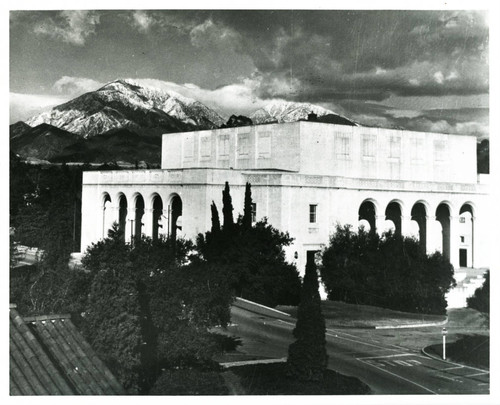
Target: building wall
x,y
326,149
284,198
274,146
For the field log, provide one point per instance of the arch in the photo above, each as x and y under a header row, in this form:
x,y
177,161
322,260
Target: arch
x,y
105,198
175,215
419,215
157,205
468,206
368,211
466,234
443,216
394,212
122,214
107,216
139,213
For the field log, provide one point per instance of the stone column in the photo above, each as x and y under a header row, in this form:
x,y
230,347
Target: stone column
x,y
110,215
163,223
454,241
130,226
434,235
147,220
379,224
405,225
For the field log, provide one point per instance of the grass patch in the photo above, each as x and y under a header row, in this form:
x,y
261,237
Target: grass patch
x,y
271,379
472,350
351,315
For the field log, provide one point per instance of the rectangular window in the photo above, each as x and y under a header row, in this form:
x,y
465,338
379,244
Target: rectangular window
x,y
395,147
264,145
254,212
206,146
344,146
312,213
462,239
243,144
224,145
368,146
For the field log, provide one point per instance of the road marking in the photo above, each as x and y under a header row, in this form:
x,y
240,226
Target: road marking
x,y
403,378
475,375
450,368
361,342
385,357
356,336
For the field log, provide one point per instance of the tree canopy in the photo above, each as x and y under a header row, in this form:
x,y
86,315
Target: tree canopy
x,y
389,271
252,255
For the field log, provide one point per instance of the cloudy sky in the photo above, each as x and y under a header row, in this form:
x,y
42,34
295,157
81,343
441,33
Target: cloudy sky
x,y
418,70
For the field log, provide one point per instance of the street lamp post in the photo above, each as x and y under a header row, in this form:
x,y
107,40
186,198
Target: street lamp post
x,y
444,343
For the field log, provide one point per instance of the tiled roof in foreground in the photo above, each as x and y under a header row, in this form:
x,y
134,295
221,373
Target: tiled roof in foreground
x,y
48,356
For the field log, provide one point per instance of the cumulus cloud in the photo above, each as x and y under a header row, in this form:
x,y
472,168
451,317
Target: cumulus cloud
x,y
70,26
142,20
210,34
24,106
75,86
238,98
366,55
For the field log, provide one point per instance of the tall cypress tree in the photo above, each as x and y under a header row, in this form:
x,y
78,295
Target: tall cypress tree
x,y
307,358
215,219
227,209
247,210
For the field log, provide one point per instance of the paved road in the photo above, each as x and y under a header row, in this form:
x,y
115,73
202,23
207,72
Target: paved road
x,y
387,369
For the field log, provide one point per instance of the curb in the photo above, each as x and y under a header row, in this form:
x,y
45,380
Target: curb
x,y
243,303
249,362
419,325
431,356
254,307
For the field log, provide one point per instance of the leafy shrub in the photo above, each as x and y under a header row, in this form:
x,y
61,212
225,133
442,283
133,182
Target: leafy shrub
x,y
167,299
481,298
253,256
389,271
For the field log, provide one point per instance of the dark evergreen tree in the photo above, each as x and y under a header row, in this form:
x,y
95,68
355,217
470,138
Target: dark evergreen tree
x,y
307,358
227,209
215,219
247,210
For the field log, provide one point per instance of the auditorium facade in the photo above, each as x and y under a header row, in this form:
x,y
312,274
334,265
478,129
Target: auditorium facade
x,y
306,178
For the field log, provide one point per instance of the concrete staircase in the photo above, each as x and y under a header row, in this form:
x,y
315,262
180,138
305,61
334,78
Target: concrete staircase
x,y
468,280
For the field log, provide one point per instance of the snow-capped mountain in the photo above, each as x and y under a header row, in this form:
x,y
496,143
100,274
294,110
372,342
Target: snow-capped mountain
x,y
126,104
288,111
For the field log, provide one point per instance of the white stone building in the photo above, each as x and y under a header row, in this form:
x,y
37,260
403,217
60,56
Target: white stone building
x,y
306,177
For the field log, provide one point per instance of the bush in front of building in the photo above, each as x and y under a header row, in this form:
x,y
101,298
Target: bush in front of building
x,y
388,271
481,298
252,255
166,300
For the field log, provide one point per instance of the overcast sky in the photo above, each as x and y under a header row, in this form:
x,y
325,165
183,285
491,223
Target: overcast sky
x,y
418,70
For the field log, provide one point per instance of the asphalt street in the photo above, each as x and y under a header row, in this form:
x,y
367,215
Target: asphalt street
x,y
385,368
